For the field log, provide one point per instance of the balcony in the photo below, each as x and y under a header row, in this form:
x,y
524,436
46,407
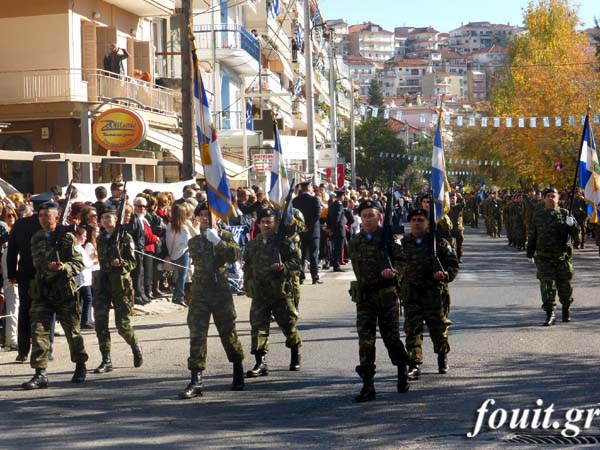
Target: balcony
x,y
146,8
228,120
77,85
235,47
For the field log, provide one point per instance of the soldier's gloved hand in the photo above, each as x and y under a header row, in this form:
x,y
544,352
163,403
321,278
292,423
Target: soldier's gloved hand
x,y
213,236
570,221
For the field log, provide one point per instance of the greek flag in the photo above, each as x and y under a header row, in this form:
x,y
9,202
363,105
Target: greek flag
x,y
299,34
274,8
249,115
439,182
279,181
589,177
217,186
316,17
298,88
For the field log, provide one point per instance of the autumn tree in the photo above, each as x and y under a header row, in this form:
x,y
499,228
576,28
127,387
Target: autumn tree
x,y
551,72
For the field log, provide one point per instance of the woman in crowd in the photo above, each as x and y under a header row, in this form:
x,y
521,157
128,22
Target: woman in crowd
x,y
11,292
178,235
84,279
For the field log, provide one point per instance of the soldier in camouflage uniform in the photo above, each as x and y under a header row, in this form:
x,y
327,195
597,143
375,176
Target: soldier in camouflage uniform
x,y
270,285
580,212
53,290
506,218
293,230
494,214
517,221
457,207
113,288
548,241
530,204
424,285
211,252
376,298
472,210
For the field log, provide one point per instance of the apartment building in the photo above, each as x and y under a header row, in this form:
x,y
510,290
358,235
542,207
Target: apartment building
x,y
371,41
437,84
475,36
477,90
362,70
407,75
53,83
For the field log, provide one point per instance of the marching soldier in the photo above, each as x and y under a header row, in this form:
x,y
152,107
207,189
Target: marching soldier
x,y
580,212
211,252
518,222
424,290
457,206
268,280
113,287
494,214
549,246
54,290
376,298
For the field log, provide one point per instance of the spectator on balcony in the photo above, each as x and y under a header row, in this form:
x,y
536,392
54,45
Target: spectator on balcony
x,y
294,50
113,61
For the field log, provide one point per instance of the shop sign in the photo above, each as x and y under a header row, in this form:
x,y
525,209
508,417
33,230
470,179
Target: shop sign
x,y
119,129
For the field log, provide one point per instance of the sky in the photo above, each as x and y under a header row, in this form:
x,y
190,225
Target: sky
x,y
443,15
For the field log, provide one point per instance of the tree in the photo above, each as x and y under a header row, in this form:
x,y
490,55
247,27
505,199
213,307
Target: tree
x,y
550,73
374,137
375,95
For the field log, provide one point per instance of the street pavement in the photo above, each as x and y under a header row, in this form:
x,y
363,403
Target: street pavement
x,y
499,351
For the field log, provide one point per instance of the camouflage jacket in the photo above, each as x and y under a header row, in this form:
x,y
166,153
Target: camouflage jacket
x,y
369,258
258,275
456,216
47,246
548,236
106,249
418,264
580,210
530,205
211,261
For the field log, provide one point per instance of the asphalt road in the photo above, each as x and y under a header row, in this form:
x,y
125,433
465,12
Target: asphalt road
x,y
499,351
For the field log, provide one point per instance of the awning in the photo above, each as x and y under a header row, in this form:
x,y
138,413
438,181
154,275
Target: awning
x,y
234,138
168,141
293,147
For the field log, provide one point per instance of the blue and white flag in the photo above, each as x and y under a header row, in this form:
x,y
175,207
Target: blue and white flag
x,y
316,17
439,182
589,177
217,185
298,88
279,180
249,115
274,8
299,35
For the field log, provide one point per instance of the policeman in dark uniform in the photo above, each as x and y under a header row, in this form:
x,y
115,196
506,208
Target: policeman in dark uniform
x,y
335,225
310,206
376,264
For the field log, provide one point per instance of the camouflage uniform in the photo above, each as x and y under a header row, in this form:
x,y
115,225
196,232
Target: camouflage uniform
x,y
55,292
530,205
456,216
472,212
113,288
211,296
271,292
517,221
548,240
494,214
293,231
580,212
423,296
376,300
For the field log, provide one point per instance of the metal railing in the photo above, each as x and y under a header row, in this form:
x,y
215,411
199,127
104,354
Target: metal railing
x,y
227,36
228,120
79,85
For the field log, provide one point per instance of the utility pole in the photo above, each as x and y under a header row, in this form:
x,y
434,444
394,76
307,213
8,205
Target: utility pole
x,y
333,105
187,114
352,137
310,95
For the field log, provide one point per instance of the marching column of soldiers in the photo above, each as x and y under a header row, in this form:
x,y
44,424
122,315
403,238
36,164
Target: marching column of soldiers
x,y
411,272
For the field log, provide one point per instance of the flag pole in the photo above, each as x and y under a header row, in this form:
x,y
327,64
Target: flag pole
x,y
586,128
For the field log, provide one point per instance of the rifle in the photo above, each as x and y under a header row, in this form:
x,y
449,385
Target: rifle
x,y
388,223
120,226
63,219
281,227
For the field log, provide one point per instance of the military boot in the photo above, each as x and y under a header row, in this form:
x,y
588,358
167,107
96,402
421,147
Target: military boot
x,y
550,319
295,359
39,381
105,365
566,314
138,359
414,370
442,363
260,369
79,374
194,389
238,377
367,393
403,385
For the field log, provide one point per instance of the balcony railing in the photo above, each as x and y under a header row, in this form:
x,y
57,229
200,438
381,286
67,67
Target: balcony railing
x,y
78,85
228,120
227,36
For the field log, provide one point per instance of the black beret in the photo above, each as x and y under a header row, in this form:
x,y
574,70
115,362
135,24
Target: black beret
x,y
452,194
549,191
305,184
110,209
340,193
116,185
201,207
368,204
266,212
418,212
48,205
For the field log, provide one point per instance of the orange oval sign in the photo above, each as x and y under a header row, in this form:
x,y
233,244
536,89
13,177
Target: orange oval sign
x,y
119,129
